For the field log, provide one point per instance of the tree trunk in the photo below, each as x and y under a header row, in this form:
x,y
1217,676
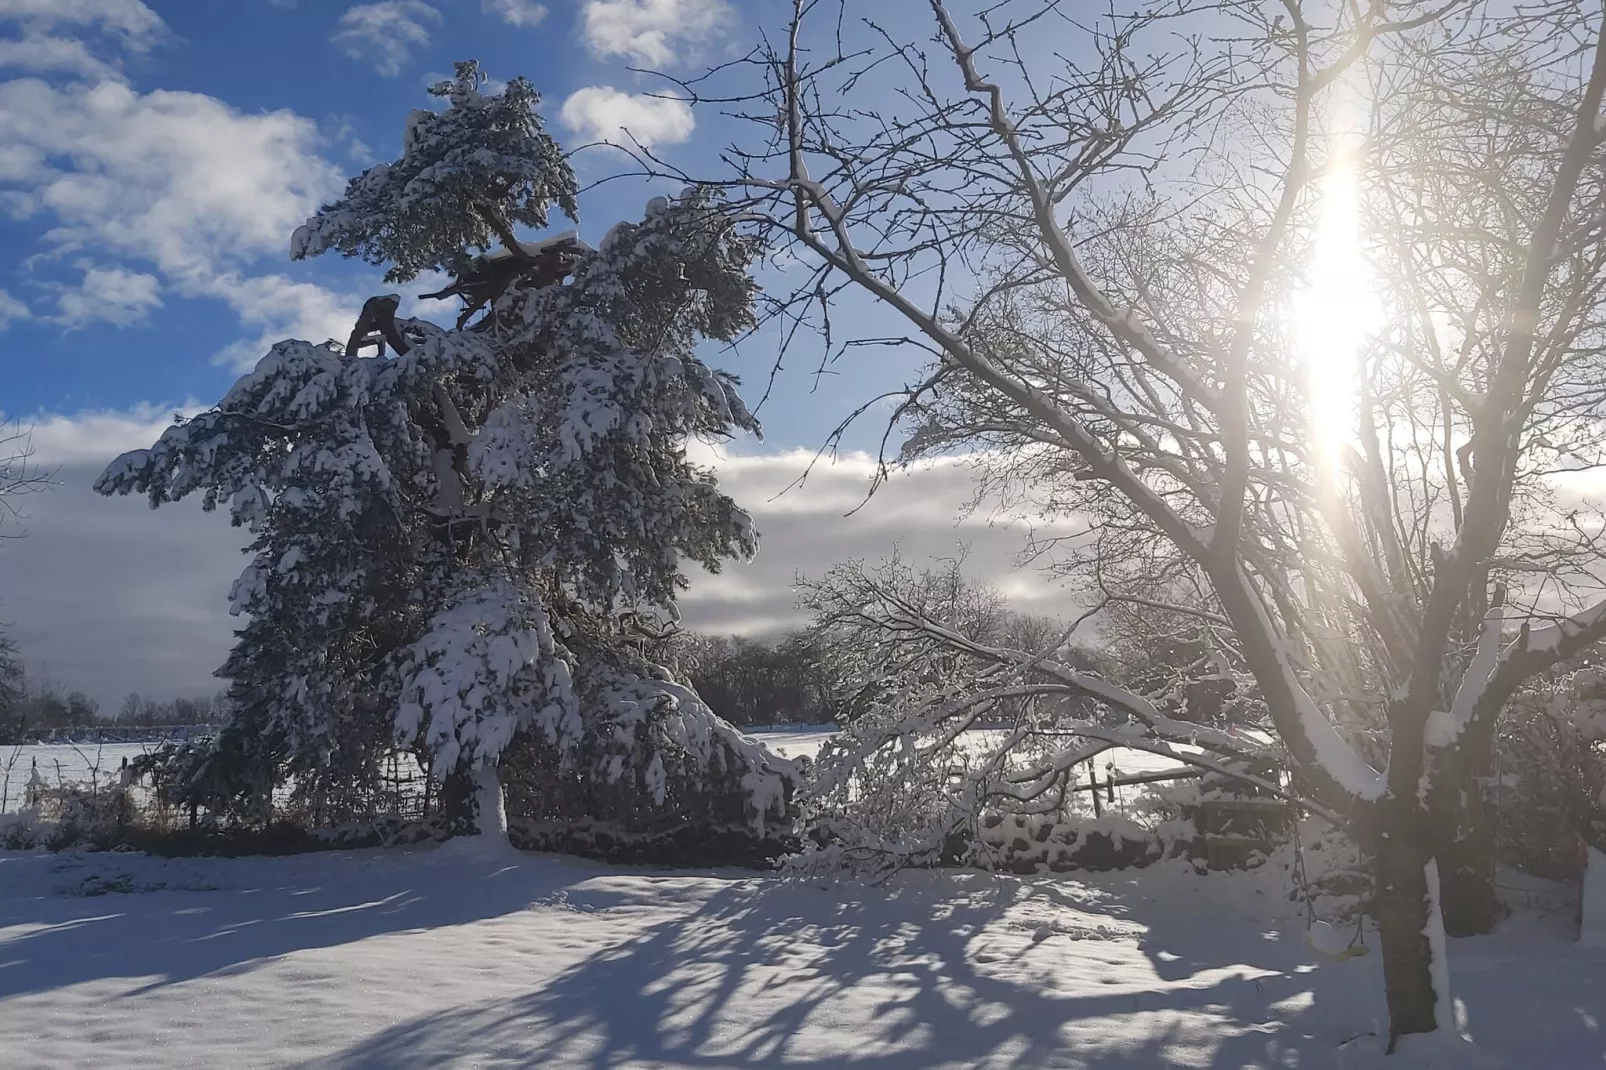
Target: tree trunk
x,y
457,803
1464,845
1462,839
490,808
472,803
1402,909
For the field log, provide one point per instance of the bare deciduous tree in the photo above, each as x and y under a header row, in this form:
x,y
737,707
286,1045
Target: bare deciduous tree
x,y
19,475
1104,250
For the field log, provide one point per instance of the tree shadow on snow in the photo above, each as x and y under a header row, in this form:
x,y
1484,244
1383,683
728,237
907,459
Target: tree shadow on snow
x,y
932,969
204,917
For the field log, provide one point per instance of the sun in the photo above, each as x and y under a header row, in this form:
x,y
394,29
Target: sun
x,y
1334,314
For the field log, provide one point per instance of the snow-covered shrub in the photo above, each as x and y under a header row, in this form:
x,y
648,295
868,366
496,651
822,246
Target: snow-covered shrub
x,y
461,537
1039,843
961,726
66,815
1550,784
94,816
654,775
228,774
20,830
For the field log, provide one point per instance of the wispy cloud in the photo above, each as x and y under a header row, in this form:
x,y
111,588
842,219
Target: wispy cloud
x,y
44,54
386,33
130,20
521,13
12,310
112,26
173,188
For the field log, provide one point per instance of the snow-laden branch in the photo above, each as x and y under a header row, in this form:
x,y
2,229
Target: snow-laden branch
x,y
1561,636
1076,682
1445,727
1303,727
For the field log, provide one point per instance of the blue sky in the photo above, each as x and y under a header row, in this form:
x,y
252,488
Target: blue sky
x,y
156,156
154,159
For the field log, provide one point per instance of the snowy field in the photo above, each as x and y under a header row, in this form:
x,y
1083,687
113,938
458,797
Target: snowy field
x,y
61,763
80,763
798,740
434,958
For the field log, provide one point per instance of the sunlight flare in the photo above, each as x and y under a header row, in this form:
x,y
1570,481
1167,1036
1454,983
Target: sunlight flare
x,y
1333,315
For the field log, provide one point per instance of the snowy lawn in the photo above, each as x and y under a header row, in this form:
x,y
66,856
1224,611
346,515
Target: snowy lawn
x,y
429,957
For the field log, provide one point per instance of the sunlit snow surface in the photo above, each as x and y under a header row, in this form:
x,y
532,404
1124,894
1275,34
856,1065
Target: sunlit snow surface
x,y
445,958
435,958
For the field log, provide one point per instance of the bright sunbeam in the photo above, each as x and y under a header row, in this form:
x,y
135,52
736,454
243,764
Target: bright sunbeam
x,y
1332,317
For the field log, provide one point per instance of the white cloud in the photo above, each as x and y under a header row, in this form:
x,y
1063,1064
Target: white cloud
x,y
385,33
38,52
11,310
95,437
806,528
283,308
651,31
179,181
603,113
113,294
126,24
135,24
521,13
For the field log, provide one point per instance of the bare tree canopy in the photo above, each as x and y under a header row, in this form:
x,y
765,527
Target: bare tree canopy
x,y
19,475
1300,303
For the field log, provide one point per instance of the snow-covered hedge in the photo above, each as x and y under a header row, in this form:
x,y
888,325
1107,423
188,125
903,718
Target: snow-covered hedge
x,y
655,776
1038,843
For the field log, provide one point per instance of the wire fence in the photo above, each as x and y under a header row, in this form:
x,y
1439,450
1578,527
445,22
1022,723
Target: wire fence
x,y
34,773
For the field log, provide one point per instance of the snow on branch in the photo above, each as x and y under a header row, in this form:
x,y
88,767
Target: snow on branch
x,y
1563,635
486,666
466,176
1445,727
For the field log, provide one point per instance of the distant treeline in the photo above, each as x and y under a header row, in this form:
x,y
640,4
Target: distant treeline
x,y
757,682
38,711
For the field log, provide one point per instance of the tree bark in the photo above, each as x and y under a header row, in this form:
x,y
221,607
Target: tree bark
x,y
1401,907
472,802
490,807
1464,844
457,803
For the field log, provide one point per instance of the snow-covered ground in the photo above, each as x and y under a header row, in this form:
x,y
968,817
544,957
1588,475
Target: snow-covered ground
x,y
430,957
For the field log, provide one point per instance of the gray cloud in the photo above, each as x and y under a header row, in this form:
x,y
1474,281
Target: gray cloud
x,y
110,596
805,530
107,595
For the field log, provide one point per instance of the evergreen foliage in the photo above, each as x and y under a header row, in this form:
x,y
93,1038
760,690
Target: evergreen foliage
x,y
456,543
465,175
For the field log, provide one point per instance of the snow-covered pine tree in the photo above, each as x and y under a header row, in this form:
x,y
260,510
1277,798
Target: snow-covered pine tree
x,y
458,534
